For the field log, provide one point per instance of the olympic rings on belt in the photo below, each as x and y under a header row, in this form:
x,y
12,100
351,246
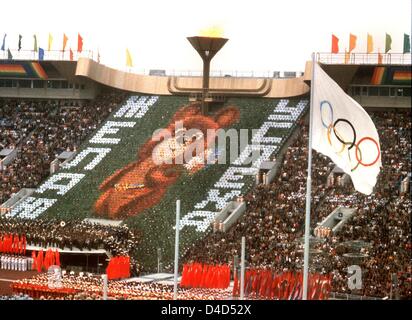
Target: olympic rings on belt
x,y
332,127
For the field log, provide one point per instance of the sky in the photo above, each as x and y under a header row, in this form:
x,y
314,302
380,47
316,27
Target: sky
x,y
264,35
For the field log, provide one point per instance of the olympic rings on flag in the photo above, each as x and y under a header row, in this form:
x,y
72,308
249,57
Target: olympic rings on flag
x,y
331,113
353,130
330,139
332,127
358,163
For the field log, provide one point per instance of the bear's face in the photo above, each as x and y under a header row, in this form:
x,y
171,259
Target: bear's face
x,y
142,184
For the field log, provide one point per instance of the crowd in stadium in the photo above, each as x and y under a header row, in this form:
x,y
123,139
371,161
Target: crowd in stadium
x,y
41,131
384,219
274,221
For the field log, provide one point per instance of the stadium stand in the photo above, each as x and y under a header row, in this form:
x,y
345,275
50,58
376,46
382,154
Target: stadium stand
x,y
112,176
41,131
273,223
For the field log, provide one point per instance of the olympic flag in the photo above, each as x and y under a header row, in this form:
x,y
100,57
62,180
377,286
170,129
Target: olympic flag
x,y
343,131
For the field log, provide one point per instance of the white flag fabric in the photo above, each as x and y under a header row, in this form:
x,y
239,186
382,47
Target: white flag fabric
x,y
343,131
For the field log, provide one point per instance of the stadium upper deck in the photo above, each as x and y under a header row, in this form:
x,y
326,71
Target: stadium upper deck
x,y
371,83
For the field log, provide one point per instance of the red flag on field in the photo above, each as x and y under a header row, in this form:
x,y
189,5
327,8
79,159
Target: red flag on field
x,y
39,261
182,280
235,285
212,276
15,248
34,265
52,258
262,286
248,282
188,274
71,54
20,249
292,287
79,43
315,280
127,267
325,289
227,276
255,280
269,285
204,277
266,284
46,259
335,44
57,254
10,243
199,274
188,280
297,290
24,244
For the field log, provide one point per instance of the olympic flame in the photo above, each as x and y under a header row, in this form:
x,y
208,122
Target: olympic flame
x,y
212,32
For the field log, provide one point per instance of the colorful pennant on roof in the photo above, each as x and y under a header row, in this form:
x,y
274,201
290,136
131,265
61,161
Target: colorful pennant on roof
x,y
388,43
64,41
369,44
129,61
20,37
35,43
335,44
79,43
352,42
4,42
50,42
41,53
406,43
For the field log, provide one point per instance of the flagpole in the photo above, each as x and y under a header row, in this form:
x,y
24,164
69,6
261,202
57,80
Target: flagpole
x,y
104,277
242,269
176,249
308,188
